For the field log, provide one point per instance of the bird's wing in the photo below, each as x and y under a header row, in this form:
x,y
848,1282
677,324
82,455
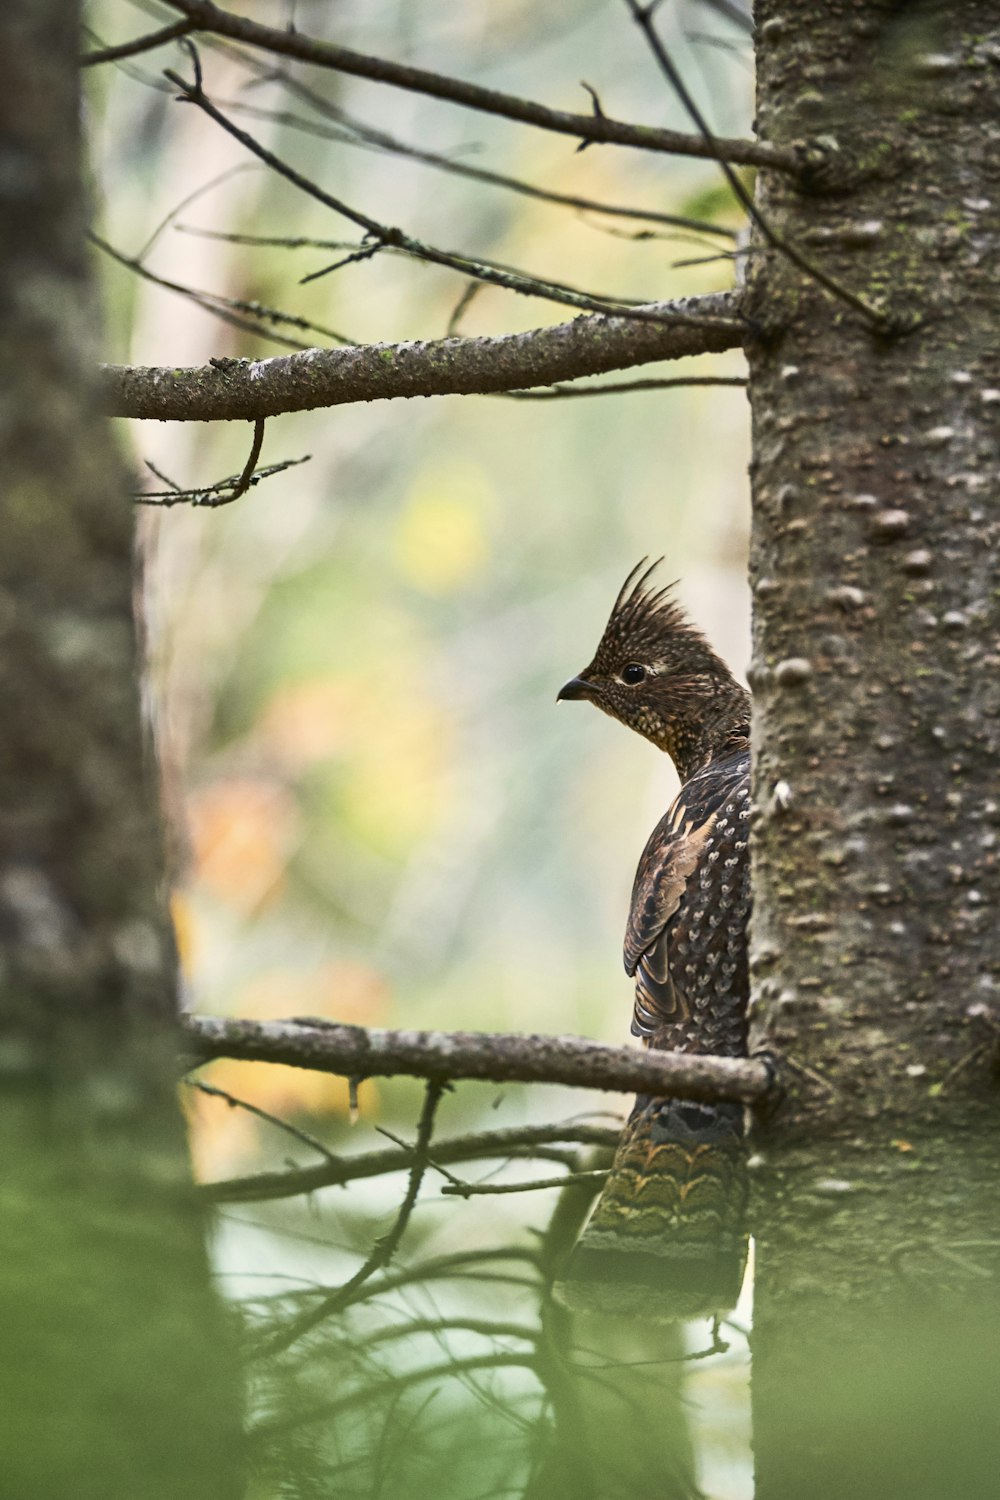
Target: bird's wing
x,y
686,937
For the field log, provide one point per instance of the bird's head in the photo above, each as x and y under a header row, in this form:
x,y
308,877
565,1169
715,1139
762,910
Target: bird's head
x,y
656,673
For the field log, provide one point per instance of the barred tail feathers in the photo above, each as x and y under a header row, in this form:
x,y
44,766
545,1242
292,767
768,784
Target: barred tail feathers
x,y
667,1238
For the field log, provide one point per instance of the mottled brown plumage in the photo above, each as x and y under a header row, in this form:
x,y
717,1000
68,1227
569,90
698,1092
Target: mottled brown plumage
x,y
671,1216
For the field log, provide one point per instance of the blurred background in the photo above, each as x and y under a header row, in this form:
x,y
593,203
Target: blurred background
x,y
378,814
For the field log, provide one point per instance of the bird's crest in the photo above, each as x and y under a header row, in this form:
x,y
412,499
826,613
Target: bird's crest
x,y
642,614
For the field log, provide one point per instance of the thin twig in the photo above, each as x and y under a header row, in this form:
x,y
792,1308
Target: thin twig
x,y
718,1345
365,251
173,488
138,44
705,260
617,387
594,127
472,290
445,1267
262,1114
264,1432
485,1326
397,239
461,1265
266,241
228,308
528,1141
211,497
187,200
355,132
432,1161
498,273
480,1189
385,1247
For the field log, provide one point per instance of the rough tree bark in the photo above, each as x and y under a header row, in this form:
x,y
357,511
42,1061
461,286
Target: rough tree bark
x,y
115,1379
875,950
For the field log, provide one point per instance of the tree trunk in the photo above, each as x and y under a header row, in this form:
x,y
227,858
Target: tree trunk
x,y
115,1378
876,952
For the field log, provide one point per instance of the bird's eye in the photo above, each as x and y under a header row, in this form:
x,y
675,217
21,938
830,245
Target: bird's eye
x,y
633,672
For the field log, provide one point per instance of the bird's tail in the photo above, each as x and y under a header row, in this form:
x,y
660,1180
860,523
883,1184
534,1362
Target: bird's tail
x,y
667,1238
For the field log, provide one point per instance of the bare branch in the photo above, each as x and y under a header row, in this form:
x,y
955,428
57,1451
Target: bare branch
x,y
391,237
519,1142
592,128
386,1245
199,192
479,268
222,491
246,390
568,1179
619,387
266,1430
362,1052
354,132
458,1266
227,309
345,1341
262,1114
138,44
472,290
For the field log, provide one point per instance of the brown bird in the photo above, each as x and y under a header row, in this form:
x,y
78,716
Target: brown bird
x,y
671,1217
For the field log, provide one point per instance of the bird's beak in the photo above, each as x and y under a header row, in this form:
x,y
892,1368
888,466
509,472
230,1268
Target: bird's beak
x,y
577,687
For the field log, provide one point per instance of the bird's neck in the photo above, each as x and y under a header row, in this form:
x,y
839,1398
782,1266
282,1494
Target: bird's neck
x,y
693,740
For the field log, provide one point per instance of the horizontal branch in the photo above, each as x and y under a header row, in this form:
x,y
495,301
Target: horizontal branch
x,y
246,390
498,1057
515,1141
596,127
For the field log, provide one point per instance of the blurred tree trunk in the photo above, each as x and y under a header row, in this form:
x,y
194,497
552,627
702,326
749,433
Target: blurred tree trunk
x,y
615,1386
876,950
115,1378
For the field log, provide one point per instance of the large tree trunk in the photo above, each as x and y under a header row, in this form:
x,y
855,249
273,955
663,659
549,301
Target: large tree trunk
x,y
114,1380
876,951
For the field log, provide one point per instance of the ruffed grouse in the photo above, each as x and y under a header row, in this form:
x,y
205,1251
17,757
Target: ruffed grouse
x,y
671,1219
